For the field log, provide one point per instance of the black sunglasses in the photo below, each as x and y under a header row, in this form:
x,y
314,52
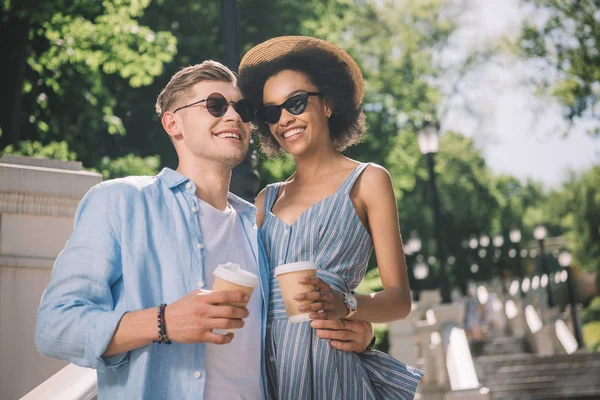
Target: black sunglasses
x,y
294,105
217,106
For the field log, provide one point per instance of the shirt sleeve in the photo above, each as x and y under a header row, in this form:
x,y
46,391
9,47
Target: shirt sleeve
x,y
77,318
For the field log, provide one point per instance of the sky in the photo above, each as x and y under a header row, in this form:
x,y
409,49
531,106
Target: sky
x,y
520,133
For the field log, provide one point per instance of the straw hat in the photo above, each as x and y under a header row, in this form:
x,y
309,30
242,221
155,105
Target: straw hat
x,y
280,46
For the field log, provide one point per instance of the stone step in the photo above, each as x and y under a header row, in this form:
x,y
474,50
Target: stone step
x,y
518,367
505,339
503,348
581,393
571,380
531,359
560,368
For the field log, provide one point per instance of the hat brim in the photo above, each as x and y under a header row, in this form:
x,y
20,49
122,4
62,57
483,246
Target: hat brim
x,y
280,46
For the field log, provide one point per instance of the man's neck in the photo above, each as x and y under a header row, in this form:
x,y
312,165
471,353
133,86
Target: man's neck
x,y
211,179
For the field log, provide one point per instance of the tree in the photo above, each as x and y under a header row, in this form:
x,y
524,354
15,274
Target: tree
x,y
565,36
581,200
61,55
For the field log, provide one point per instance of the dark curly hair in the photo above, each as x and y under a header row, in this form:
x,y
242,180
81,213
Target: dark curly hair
x,y
347,122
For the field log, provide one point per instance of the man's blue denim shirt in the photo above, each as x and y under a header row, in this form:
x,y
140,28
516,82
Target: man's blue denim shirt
x,y
136,244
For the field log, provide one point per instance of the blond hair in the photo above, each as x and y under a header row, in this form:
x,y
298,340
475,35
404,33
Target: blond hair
x,y
180,84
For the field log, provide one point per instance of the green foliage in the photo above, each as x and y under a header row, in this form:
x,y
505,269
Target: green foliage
x,y
580,204
592,312
79,56
591,335
565,34
129,165
276,169
370,283
382,341
53,150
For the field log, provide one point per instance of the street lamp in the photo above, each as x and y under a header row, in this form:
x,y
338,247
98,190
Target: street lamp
x,y
245,180
428,140
564,259
498,241
484,240
473,243
421,271
411,248
413,245
514,235
539,233
515,238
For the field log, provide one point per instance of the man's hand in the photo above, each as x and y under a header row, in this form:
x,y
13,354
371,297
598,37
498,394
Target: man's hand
x,y
192,318
354,336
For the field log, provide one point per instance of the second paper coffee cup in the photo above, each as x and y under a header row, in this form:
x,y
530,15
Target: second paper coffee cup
x,y
288,276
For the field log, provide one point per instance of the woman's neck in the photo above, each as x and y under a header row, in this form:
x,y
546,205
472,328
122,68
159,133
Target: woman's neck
x,y
316,164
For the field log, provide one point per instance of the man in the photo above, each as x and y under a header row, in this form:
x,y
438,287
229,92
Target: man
x,y
125,296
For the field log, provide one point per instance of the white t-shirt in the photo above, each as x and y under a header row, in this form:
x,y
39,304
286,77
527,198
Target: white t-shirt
x,y
233,370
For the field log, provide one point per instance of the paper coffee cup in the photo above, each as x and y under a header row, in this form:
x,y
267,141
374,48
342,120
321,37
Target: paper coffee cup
x,y
231,276
289,276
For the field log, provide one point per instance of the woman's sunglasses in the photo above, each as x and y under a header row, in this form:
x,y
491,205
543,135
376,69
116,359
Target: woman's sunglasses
x,y
217,106
295,105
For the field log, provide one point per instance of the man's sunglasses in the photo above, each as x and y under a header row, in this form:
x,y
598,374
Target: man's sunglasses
x,y
217,106
294,105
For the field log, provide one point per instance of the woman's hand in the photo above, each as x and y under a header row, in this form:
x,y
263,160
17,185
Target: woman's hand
x,y
326,304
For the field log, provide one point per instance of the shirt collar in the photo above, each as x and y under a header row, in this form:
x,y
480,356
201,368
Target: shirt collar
x,y
173,179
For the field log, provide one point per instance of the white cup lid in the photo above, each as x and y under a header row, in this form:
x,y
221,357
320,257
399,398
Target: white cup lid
x,y
235,274
293,267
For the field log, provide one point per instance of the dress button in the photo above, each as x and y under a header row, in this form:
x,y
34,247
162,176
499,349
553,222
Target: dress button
x,y
254,226
200,284
188,185
194,209
272,359
200,246
197,374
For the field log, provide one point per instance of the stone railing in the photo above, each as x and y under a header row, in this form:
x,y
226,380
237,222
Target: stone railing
x,y
432,339
70,383
38,199
546,330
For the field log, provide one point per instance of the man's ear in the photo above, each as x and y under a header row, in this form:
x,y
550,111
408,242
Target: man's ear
x,y
169,123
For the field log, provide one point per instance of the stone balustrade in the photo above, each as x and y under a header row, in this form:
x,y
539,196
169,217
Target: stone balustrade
x,y
38,199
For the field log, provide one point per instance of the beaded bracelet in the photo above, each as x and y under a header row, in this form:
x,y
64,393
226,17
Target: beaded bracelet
x,y
162,327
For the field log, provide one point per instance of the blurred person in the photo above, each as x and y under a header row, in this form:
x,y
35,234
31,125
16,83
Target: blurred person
x,y
474,315
125,295
332,211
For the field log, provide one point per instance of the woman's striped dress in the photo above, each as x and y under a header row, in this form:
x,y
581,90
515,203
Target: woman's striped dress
x,y
299,364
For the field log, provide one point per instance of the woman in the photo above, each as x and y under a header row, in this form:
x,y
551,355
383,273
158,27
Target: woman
x,y
333,211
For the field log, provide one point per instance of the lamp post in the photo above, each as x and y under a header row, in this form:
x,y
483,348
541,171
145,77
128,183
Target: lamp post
x,y
539,233
421,270
564,259
498,242
428,140
244,178
514,235
411,248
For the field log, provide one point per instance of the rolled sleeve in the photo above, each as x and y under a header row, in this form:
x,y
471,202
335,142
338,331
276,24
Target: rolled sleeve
x,y
77,317
99,339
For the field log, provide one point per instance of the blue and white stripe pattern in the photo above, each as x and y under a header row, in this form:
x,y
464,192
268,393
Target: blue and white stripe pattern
x,y
299,364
